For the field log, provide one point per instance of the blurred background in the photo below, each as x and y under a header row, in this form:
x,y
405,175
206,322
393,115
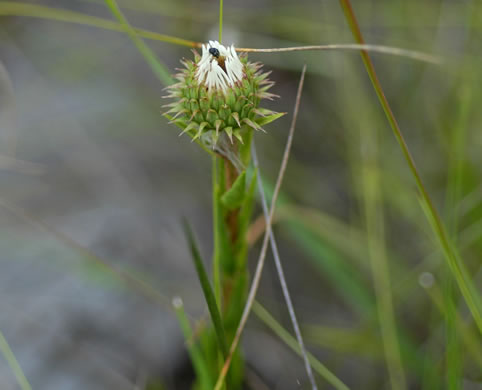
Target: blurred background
x,y
94,183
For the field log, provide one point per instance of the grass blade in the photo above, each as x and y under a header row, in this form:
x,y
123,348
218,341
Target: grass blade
x,y
291,342
13,363
159,69
456,266
194,352
207,290
61,15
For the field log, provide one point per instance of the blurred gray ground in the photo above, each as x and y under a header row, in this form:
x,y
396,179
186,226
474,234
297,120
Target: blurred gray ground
x,y
70,326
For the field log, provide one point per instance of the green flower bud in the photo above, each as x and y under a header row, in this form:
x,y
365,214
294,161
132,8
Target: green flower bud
x,y
219,93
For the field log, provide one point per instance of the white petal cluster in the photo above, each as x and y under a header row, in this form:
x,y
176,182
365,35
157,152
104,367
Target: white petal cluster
x,y
212,74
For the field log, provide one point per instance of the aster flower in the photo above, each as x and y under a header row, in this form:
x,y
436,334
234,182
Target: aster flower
x,y
219,93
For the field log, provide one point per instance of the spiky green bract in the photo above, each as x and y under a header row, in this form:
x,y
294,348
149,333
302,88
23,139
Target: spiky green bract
x,y
208,113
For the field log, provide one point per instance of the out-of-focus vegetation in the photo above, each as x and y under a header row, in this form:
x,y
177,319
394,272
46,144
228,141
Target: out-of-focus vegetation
x,y
94,182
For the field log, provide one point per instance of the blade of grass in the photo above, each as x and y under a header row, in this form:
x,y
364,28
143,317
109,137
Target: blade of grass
x,y
291,342
456,266
42,12
159,69
279,269
469,336
374,220
262,256
13,363
194,351
207,290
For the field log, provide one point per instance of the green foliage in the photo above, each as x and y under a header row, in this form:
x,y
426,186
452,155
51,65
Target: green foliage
x,y
207,290
455,263
233,198
201,366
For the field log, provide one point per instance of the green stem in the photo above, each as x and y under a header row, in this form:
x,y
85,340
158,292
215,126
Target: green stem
x,y
217,238
220,20
455,264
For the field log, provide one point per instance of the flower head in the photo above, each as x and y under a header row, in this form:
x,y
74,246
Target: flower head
x,y
220,67
219,93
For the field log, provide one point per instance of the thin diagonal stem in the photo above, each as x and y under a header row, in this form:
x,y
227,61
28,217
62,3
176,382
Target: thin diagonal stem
x,y
13,363
262,256
159,69
456,265
279,269
16,8
291,342
416,55
220,21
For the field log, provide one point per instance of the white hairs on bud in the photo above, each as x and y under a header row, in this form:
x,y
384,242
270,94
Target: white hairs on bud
x,y
211,73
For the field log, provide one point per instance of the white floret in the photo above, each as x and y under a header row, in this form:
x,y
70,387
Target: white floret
x,y
212,74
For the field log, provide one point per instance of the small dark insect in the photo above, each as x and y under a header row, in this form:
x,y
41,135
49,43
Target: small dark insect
x,y
219,58
214,52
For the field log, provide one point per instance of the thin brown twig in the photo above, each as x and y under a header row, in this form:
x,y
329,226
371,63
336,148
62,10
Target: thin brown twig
x,y
281,276
416,55
262,256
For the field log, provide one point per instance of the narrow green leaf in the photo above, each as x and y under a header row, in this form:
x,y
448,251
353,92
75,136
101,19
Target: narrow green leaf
x,y
15,8
248,204
233,198
198,361
13,363
456,265
291,342
159,69
264,120
207,290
